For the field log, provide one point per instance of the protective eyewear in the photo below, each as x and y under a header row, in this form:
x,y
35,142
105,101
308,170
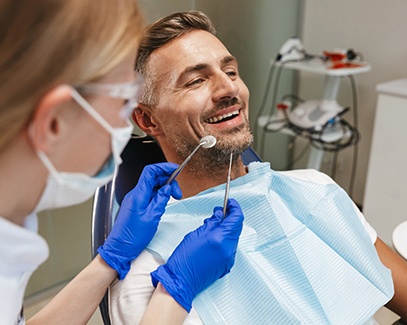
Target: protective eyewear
x,y
129,91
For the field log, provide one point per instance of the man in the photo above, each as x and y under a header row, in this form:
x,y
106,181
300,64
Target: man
x,y
306,254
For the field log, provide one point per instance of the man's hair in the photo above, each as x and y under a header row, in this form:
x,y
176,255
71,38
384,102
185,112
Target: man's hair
x,y
159,34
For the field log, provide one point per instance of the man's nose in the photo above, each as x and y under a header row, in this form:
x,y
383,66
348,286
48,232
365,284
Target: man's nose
x,y
225,87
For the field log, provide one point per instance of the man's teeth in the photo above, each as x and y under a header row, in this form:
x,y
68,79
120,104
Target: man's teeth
x,y
216,119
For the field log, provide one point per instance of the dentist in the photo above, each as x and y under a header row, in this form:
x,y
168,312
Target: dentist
x,y
68,88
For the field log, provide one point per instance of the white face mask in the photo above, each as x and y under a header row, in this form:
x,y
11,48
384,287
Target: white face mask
x,y
65,189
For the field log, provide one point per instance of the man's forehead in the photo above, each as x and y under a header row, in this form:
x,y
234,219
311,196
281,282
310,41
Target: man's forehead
x,y
188,51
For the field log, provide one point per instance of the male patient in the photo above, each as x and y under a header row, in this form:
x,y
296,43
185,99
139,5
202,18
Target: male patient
x,y
306,254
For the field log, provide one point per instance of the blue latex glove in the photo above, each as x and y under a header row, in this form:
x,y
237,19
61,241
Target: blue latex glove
x,y
204,255
138,217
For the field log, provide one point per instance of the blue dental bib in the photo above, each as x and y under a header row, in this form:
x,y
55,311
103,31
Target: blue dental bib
x,y
303,257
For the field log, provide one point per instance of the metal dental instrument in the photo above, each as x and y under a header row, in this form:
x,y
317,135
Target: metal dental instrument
x,y
208,141
225,200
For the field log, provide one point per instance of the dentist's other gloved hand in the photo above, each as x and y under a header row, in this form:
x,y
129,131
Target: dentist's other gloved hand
x,y
204,255
138,217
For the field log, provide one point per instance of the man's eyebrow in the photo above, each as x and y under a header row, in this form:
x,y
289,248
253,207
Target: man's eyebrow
x,y
193,68
202,66
228,59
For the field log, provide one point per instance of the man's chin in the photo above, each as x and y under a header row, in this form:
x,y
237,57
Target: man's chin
x,y
236,147
239,136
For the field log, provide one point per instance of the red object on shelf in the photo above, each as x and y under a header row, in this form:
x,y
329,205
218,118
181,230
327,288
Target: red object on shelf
x,y
345,65
282,106
334,56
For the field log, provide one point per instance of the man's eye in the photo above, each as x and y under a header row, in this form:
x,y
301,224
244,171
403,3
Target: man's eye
x,y
194,82
231,73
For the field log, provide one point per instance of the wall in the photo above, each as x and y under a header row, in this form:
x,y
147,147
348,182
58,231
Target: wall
x,y
67,232
375,28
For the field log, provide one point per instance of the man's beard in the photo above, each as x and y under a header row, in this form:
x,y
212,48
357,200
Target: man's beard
x,y
215,159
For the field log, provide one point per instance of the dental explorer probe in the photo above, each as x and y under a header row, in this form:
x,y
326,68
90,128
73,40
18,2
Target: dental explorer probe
x,y
225,200
208,141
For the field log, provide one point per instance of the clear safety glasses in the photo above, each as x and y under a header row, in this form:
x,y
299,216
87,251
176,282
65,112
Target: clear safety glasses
x,y
129,91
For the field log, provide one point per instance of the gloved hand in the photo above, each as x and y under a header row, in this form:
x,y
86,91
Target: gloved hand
x,y
138,217
204,255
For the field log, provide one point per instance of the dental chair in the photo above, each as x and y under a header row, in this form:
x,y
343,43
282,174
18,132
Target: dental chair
x,y
139,152
399,241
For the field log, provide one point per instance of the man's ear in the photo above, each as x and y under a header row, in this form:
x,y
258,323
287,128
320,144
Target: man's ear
x,y
44,129
145,121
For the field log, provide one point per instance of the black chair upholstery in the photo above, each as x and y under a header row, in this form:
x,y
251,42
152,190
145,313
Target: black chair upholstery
x,y
139,152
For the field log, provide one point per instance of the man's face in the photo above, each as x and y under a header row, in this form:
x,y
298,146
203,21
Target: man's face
x,y
199,93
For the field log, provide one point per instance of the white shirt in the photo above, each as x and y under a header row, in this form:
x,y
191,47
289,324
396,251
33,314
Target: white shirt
x,y
22,250
129,297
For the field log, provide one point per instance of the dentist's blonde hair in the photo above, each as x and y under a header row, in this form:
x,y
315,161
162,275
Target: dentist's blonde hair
x,y
51,42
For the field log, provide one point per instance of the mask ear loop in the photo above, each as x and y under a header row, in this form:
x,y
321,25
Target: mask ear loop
x,y
43,157
48,164
91,111
114,133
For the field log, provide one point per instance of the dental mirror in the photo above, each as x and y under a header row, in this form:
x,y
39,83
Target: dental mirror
x,y
208,141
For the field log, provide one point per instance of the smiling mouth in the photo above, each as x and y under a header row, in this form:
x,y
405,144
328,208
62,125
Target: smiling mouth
x,y
222,118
